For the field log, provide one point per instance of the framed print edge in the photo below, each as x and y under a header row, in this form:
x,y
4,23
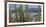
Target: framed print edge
x,y
23,24
5,14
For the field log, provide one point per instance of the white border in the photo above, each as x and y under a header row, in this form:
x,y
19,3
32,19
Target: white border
x,y
23,22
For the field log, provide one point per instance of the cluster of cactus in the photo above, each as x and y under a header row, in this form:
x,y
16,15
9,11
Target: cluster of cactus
x,y
21,14
26,18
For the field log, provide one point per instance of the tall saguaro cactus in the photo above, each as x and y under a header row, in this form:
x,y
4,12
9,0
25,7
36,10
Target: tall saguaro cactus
x,y
26,11
21,11
16,14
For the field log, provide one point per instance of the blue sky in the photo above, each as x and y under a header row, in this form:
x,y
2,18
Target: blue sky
x,y
12,6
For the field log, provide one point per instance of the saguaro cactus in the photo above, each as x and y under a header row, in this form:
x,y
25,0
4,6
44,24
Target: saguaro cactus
x,y
16,12
26,12
21,12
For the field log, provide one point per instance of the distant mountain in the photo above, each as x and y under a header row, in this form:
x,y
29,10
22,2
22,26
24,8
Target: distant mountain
x,y
33,10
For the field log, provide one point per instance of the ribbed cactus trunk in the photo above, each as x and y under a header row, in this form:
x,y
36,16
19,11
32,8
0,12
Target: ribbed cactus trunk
x,y
21,12
26,11
23,16
16,14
